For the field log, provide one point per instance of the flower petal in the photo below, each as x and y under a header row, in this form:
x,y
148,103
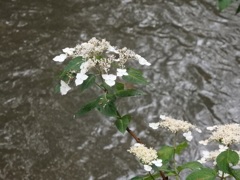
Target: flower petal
x,y
147,168
80,78
64,88
157,162
60,58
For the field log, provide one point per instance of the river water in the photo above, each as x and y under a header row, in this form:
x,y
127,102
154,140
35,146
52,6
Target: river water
x,y
195,76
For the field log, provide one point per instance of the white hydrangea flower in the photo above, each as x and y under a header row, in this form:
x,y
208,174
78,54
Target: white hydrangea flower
x,y
147,156
60,58
80,78
142,61
226,134
121,72
222,148
188,135
198,130
154,125
147,168
175,125
69,51
85,66
64,88
109,79
163,117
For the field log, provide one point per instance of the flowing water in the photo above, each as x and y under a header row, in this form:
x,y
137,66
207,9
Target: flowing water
x,y
195,76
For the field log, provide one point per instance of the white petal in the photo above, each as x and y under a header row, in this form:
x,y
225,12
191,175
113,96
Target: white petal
x,y
112,49
157,162
142,61
188,135
60,58
154,125
163,117
211,128
203,142
68,51
64,88
110,82
122,72
147,168
80,78
109,77
198,130
138,144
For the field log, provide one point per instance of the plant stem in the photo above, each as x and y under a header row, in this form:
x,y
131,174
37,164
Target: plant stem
x,y
151,175
174,160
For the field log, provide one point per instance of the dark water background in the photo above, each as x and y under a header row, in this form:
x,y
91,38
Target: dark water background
x,y
195,76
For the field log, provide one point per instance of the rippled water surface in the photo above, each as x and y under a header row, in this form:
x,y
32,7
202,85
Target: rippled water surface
x,y
195,76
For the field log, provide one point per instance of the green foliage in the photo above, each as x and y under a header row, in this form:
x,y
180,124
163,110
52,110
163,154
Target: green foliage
x,y
122,123
180,147
134,76
146,177
223,4
119,86
88,107
72,66
235,173
107,105
202,174
166,153
88,82
238,9
129,92
225,158
195,165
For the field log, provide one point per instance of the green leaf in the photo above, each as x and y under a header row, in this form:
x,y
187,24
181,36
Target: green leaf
x,y
73,65
57,88
203,174
180,147
88,107
122,123
129,92
119,86
238,9
134,76
226,157
190,165
88,82
146,177
166,153
235,173
107,105
223,4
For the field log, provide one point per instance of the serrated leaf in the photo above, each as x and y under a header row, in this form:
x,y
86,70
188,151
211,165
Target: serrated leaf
x,y
134,76
122,123
223,4
190,165
88,82
166,153
73,65
203,174
180,147
129,92
226,157
88,107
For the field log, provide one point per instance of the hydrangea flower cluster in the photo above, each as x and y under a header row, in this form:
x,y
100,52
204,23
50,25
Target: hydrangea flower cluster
x,y
225,134
147,156
101,56
175,126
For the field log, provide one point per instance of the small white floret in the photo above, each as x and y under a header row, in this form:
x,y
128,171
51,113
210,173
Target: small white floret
x,y
198,130
211,128
188,135
109,79
122,72
69,51
203,142
147,168
142,61
80,78
64,88
112,49
157,162
154,125
163,117
60,58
